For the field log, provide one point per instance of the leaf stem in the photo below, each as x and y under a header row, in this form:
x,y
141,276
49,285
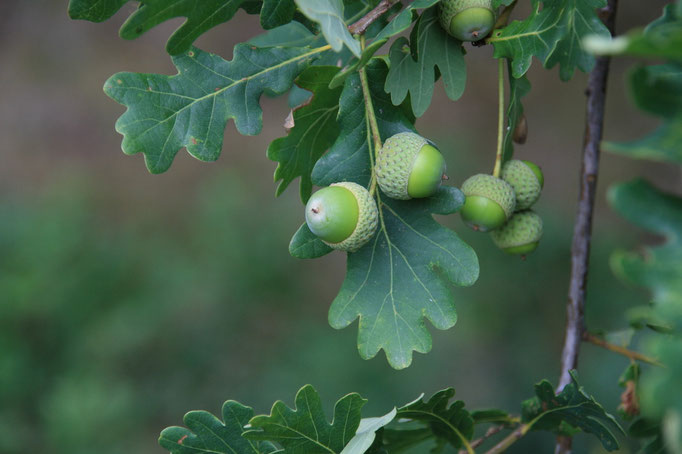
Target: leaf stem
x,y
371,120
510,439
500,117
592,339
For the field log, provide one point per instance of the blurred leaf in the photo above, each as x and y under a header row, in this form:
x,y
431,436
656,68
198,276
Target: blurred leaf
x,y
306,245
305,430
207,434
191,109
492,416
366,433
450,423
657,90
432,48
518,88
329,14
662,38
276,13
404,19
202,15
553,34
315,130
548,411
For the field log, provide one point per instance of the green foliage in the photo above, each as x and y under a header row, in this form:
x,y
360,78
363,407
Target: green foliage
x,y
276,13
402,276
518,88
191,108
202,15
207,434
449,422
552,34
329,14
403,20
413,69
573,407
305,430
315,130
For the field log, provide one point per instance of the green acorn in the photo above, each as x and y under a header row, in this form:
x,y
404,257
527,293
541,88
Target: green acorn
x,y
467,20
527,180
343,215
490,201
520,235
408,167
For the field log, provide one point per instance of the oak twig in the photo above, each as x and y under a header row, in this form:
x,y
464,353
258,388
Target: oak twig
x,y
582,234
592,339
361,26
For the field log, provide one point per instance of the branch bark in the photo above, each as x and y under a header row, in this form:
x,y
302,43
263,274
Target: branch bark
x,y
361,26
582,233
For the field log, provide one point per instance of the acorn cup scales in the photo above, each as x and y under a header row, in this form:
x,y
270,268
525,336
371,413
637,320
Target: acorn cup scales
x,y
467,20
408,166
521,235
490,201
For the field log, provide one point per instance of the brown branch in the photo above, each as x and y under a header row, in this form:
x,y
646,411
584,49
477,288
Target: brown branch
x,y
582,234
360,27
591,338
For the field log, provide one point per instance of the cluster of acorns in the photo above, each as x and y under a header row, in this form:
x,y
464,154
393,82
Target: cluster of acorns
x,y
501,206
345,216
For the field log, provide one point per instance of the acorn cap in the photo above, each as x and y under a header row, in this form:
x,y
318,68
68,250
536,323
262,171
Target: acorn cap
x,y
525,182
368,219
395,164
490,187
467,20
520,235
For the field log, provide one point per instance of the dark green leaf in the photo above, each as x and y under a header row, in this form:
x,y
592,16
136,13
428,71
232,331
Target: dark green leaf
x,y
305,430
357,63
315,130
201,15
404,273
400,439
492,416
572,406
329,14
403,20
553,34
191,109
306,245
207,434
433,48
348,159
276,13
664,144
449,422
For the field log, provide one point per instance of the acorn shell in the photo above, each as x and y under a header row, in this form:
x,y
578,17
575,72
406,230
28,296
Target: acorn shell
x,y
495,189
368,219
524,181
395,161
448,9
522,229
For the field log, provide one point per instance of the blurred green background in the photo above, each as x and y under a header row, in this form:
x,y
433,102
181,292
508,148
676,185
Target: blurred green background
x,y
127,299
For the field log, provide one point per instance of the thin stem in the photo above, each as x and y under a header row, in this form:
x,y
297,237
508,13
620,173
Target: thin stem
x,y
582,233
500,117
361,26
636,356
489,433
371,119
510,439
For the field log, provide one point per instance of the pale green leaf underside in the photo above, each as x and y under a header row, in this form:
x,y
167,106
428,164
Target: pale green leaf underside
x,y
191,109
329,14
553,34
